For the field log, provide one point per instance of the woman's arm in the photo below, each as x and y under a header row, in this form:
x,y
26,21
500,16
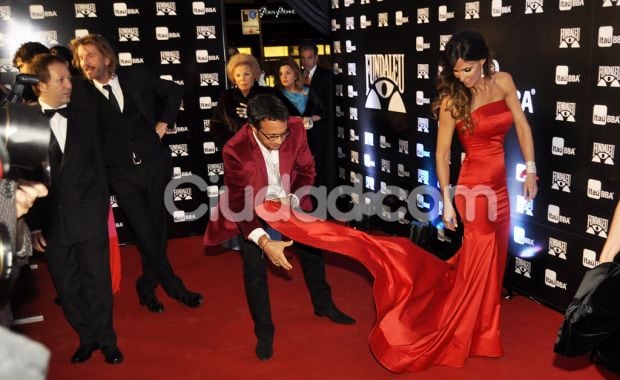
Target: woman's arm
x,y
612,244
524,132
445,132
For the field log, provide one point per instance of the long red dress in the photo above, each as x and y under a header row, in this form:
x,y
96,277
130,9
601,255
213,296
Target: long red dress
x,y
431,312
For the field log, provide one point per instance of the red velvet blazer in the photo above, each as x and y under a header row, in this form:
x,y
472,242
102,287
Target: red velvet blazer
x,y
245,168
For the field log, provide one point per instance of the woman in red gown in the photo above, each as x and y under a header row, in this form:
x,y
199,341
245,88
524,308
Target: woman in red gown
x,y
481,105
431,312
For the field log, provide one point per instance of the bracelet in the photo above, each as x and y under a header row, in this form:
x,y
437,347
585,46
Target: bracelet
x,y
262,248
530,167
524,174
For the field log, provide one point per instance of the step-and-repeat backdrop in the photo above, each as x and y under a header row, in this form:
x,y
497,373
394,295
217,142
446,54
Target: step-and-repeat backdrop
x,y
564,56
179,41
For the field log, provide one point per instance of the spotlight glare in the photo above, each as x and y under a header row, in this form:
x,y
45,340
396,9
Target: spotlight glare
x,y
529,252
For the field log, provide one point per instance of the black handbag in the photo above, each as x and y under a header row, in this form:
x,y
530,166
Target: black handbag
x,y
593,316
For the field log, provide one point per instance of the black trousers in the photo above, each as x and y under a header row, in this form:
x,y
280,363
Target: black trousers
x,y
257,291
139,190
81,274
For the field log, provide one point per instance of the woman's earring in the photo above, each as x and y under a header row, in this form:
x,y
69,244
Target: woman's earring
x,y
482,75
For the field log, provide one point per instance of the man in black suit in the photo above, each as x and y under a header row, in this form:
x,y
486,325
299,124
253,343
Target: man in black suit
x,y
70,225
321,137
138,109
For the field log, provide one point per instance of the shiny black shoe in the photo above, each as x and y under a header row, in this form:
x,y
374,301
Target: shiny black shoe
x,y
151,302
84,352
335,315
605,358
189,298
264,348
112,355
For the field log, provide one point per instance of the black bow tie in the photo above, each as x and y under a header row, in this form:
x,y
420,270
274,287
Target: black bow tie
x,y
62,111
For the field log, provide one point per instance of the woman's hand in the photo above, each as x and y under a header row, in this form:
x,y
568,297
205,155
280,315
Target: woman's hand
x,y
308,122
25,195
530,187
607,257
449,216
242,110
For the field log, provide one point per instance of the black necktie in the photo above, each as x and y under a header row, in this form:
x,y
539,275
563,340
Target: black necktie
x,y
50,112
112,98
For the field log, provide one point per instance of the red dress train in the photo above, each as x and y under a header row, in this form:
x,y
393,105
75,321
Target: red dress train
x,y
431,312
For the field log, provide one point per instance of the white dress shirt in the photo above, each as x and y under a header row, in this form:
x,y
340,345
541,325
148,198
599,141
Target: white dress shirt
x,y
311,72
116,90
274,182
58,124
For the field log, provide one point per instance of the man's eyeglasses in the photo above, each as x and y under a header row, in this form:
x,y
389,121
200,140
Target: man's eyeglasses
x,y
281,136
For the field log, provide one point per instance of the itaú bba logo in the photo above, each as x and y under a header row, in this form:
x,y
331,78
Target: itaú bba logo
x,y
385,82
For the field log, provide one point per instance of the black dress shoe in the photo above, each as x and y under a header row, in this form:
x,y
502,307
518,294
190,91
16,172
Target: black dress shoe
x,y
112,355
189,298
151,302
84,352
264,348
336,316
604,358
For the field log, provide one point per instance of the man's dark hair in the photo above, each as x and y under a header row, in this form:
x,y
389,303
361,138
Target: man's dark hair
x,y
308,46
266,107
67,54
28,51
42,62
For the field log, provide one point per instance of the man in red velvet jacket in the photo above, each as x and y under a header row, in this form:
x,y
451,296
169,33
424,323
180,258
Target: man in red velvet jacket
x,y
270,157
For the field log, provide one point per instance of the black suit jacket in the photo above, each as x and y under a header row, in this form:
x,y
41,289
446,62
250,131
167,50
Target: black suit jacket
x,y
76,207
225,121
155,98
322,136
321,92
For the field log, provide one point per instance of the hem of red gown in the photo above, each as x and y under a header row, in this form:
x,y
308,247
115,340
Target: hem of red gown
x,y
490,348
402,361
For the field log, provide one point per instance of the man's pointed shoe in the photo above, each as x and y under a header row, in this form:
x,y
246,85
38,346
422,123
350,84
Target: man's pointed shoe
x,y
112,355
189,298
151,302
264,348
335,315
84,352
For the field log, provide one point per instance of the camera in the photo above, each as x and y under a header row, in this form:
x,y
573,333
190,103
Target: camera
x,y
21,89
24,154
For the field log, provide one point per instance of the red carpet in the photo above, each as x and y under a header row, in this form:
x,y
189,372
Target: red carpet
x,y
216,341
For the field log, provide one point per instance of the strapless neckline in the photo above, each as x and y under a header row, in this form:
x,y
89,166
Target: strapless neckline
x,y
499,102
488,104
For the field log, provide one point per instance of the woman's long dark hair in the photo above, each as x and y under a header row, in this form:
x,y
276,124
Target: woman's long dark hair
x,y
468,45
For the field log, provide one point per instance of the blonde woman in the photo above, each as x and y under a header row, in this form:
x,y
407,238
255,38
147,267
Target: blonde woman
x,y
230,115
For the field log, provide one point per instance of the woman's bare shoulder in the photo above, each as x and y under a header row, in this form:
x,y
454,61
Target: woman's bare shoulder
x,y
504,82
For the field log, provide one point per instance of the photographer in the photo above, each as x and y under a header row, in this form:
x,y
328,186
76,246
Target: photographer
x,y
22,60
21,357
15,201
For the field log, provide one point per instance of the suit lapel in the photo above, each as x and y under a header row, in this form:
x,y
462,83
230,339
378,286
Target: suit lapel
x,y
132,92
71,135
